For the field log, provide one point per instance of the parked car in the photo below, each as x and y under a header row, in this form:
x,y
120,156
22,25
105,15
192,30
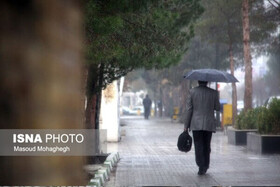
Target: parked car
x,y
137,110
268,101
126,110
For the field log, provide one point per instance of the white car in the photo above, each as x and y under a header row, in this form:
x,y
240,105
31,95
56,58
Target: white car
x,y
126,110
138,110
268,101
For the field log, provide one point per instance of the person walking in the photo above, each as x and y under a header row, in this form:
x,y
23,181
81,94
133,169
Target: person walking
x,y
200,119
147,106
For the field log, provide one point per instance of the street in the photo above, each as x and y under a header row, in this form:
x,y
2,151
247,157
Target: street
x,y
149,157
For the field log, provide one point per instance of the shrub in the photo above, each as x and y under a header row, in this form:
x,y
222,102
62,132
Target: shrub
x,y
248,120
262,121
239,119
269,119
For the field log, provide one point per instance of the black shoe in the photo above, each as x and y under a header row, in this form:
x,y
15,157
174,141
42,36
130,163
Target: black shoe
x,y
205,170
201,171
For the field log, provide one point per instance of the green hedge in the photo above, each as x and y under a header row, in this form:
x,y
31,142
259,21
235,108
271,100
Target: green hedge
x,y
266,120
248,120
269,119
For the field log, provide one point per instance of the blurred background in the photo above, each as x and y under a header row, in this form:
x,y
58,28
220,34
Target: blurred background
x,y
67,64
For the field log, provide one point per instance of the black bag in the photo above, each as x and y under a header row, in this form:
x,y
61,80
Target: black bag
x,y
184,142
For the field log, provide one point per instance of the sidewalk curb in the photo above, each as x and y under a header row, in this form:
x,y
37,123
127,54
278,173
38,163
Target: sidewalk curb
x,y
102,174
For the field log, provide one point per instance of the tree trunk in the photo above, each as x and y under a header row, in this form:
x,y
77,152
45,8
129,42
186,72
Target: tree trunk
x,y
234,92
91,85
161,102
98,97
90,112
247,56
184,93
94,94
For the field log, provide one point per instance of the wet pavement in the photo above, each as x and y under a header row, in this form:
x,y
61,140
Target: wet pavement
x,y
149,157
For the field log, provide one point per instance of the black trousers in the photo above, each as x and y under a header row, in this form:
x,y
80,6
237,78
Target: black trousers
x,y
147,112
202,147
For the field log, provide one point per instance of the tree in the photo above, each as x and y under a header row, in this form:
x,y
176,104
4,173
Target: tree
x,y
218,42
273,76
171,88
221,25
201,54
275,4
125,35
247,56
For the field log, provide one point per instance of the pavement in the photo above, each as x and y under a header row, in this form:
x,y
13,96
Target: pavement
x,y
149,157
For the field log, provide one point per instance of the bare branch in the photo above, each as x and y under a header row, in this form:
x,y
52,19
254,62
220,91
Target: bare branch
x,y
276,2
272,3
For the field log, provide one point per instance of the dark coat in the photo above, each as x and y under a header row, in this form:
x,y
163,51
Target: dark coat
x,y
147,102
201,103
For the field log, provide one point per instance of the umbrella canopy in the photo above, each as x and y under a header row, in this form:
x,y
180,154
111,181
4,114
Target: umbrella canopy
x,y
210,75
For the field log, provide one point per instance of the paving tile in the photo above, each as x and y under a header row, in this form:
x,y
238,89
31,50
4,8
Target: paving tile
x,y
149,157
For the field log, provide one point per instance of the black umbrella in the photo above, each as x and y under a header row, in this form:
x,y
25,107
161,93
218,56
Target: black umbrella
x,y
210,75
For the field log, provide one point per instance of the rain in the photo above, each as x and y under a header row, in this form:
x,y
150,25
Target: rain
x,y
152,93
